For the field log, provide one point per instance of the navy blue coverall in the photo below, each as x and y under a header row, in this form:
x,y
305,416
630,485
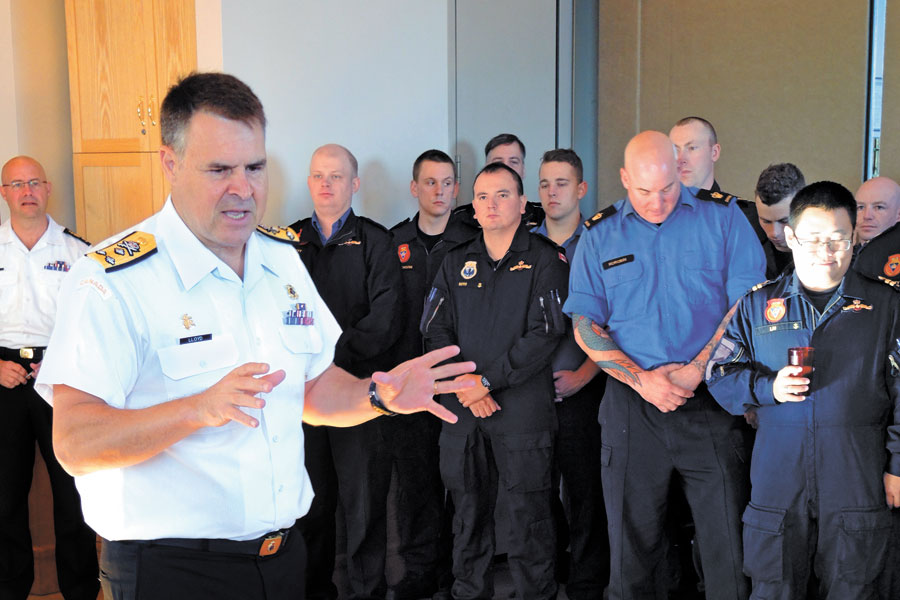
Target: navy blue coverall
x,y
818,498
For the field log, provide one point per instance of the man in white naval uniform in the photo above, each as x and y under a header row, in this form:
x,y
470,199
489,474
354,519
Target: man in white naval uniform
x,y
35,254
198,344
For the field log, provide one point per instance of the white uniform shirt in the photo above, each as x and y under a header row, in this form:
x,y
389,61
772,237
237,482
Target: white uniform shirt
x,y
29,283
172,325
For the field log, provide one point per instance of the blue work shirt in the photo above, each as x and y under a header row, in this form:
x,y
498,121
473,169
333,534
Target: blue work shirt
x,y
662,290
334,228
568,355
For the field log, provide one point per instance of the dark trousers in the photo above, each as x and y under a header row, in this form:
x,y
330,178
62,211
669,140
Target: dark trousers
x,y
150,571
578,445
413,443
26,419
351,465
642,450
473,462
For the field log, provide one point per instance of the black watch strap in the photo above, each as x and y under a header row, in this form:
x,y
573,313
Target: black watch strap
x,y
377,405
486,383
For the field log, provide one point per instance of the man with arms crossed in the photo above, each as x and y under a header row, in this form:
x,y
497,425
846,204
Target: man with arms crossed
x,y
652,277
183,361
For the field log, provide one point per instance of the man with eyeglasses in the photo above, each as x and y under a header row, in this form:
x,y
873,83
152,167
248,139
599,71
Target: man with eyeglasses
x,y
35,254
826,464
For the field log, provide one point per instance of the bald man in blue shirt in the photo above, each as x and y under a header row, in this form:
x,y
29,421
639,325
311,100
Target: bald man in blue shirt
x,y
652,277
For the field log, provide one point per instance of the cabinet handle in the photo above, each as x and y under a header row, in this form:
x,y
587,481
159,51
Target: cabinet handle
x,y
140,111
150,108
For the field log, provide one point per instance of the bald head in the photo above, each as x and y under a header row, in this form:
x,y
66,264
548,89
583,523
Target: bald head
x,y
18,162
650,176
25,190
332,181
877,207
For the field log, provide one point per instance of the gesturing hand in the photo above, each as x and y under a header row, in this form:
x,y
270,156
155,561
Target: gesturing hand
x,y
411,386
221,403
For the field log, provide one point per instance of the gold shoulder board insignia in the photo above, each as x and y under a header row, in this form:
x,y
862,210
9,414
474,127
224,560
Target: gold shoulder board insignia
x,y
282,234
718,197
77,237
894,284
761,285
598,216
131,249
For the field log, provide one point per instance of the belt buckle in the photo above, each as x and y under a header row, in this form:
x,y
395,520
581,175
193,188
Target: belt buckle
x,y
27,353
271,544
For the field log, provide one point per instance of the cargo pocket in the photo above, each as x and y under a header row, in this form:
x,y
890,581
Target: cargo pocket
x,y
453,461
764,543
528,458
605,455
862,544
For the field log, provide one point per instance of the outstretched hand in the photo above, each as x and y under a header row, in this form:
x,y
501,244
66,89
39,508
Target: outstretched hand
x,y
411,386
223,401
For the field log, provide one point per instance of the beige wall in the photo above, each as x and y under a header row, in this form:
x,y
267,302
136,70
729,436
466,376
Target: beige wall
x,y
780,81
890,117
42,96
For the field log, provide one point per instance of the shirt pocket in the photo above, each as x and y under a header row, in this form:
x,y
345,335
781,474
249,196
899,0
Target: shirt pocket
x,y
193,368
625,289
305,341
703,277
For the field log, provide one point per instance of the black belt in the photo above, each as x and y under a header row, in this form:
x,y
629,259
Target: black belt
x,y
269,544
31,354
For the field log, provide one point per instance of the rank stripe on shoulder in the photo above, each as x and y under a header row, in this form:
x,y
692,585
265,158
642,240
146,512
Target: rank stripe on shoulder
x,y
282,234
761,285
67,231
131,249
598,216
718,197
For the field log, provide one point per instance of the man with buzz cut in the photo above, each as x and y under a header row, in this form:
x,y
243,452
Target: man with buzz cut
x,y
775,188
498,296
350,260
186,355
653,276
420,245
826,463
698,149
35,255
578,387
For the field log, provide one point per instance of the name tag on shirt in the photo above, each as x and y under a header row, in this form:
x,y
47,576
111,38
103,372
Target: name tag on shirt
x,y
615,262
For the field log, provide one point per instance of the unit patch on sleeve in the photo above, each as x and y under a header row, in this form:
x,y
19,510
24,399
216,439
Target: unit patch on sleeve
x,y
131,249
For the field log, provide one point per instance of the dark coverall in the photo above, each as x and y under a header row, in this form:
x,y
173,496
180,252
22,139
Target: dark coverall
x,y
414,438
508,319
818,499
356,274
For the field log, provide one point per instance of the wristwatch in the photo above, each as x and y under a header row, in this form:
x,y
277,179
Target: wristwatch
x,y
486,383
377,405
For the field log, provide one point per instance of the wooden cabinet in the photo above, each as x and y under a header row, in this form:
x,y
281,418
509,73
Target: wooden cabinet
x,y
119,189
123,57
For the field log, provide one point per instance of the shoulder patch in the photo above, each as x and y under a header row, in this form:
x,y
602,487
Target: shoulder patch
x,y
401,224
282,234
763,284
77,237
598,216
894,284
131,249
718,197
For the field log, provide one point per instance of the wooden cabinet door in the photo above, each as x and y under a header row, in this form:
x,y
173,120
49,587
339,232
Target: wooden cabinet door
x,y
174,23
115,191
112,69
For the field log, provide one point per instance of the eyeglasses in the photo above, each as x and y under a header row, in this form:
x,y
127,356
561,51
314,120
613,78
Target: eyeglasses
x,y
813,246
20,185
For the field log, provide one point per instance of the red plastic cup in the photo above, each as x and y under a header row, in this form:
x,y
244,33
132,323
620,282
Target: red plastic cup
x,y
802,356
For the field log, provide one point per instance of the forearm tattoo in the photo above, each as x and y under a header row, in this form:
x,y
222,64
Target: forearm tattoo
x,y
596,338
702,359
